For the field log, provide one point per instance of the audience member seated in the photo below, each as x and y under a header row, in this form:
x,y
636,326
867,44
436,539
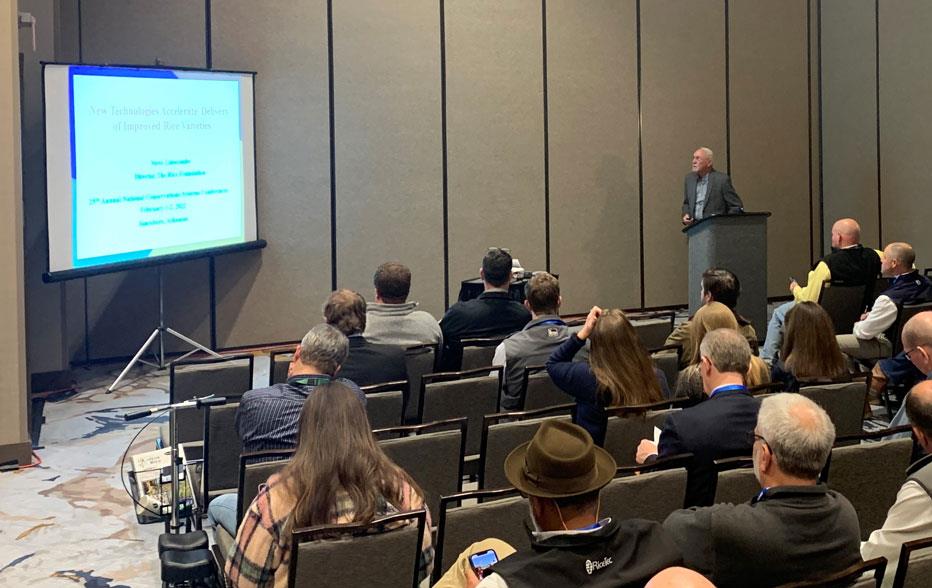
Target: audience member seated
x,y
391,319
910,517
868,341
917,350
367,363
619,371
561,472
717,427
267,418
533,344
795,528
338,474
810,350
492,314
849,262
709,317
901,370
718,285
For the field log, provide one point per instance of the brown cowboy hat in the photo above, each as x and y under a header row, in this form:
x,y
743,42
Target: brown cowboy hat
x,y
559,462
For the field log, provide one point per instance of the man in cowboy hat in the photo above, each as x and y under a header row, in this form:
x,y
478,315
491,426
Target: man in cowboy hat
x,y
561,472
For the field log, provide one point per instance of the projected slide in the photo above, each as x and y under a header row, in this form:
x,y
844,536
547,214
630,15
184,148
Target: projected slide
x,y
161,162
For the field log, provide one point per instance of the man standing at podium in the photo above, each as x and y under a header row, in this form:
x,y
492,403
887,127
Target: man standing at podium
x,y
708,192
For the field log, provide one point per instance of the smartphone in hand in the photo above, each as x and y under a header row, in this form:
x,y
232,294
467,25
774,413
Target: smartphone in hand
x,y
482,561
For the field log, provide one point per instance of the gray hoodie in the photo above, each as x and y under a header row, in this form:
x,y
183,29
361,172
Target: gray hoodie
x,y
401,324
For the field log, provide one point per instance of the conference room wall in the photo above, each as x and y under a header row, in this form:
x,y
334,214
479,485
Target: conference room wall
x,y
905,127
769,122
387,144
495,133
275,294
593,152
682,107
849,117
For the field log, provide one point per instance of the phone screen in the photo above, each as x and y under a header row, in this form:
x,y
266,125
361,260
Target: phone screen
x,y
483,560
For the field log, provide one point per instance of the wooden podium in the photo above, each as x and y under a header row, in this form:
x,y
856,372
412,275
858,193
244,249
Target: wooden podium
x,y
738,243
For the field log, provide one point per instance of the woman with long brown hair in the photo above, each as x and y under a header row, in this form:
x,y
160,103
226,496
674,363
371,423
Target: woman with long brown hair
x,y
619,371
709,317
809,348
338,474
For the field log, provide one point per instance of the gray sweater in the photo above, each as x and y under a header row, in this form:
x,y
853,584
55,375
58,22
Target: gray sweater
x,y
401,324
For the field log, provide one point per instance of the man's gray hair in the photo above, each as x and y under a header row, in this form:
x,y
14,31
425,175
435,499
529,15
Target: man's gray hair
x,y
707,152
728,351
799,433
324,347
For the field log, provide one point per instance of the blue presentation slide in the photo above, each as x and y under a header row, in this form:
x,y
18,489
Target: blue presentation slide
x,y
156,163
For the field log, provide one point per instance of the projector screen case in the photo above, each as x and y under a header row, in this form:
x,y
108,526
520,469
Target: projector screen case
x,y
147,166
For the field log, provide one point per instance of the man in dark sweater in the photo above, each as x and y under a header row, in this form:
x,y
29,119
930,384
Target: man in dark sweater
x,y
795,528
492,314
562,473
368,363
849,262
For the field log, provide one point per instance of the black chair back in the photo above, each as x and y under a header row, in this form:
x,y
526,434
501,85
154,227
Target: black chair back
x,y
503,432
667,359
843,303
914,569
736,483
254,469
385,403
431,453
472,394
278,366
221,452
478,351
906,312
657,490
419,360
869,474
843,401
627,425
367,554
653,328
497,513
847,577
230,377
538,390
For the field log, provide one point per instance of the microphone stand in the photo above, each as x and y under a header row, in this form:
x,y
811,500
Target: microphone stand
x,y
174,525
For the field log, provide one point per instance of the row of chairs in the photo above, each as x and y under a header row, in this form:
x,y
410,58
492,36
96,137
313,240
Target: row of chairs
x,y
487,436
658,490
845,303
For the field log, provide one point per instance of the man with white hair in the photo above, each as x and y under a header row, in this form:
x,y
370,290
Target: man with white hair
x,y
795,528
708,192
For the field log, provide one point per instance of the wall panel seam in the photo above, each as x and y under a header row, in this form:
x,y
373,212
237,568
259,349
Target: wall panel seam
x,y
443,144
543,7
333,174
640,157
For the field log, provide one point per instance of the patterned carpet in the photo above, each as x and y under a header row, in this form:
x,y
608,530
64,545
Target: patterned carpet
x,y
68,521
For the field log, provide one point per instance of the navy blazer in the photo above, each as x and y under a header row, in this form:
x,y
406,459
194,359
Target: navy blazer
x,y
720,195
713,429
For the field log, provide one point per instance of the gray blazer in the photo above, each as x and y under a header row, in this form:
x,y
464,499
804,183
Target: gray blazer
x,y
720,197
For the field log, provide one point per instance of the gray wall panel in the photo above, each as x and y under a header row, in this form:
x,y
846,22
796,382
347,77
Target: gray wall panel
x,y
849,111
276,294
906,129
388,144
139,31
593,126
770,126
495,133
683,107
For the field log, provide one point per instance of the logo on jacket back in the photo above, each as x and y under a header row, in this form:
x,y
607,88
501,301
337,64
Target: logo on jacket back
x,y
594,566
553,332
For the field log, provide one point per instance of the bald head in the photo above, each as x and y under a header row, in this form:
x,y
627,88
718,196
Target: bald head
x,y
902,253
919,411
677,577
918,330
846,232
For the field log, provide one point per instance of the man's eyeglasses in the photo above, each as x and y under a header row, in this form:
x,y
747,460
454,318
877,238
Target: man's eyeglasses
x,y
913,350
754,437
